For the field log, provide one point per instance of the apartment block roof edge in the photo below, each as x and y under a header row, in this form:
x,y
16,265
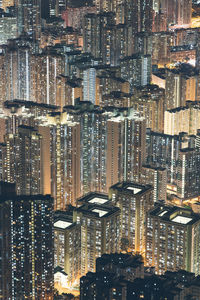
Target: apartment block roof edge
x,y
129,187
7,192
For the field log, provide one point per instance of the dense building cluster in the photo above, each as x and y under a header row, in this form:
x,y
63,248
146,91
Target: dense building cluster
x,y
121,276
99,149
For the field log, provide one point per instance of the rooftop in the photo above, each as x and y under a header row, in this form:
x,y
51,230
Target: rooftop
x,y
181,219
98,210
18,198
19,103
62,224
64,219
154,167
132,188
175,214
94,198
98,200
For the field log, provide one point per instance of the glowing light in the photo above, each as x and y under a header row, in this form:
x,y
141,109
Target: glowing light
x,y
98,200
181,220
162,213
62,224
100,212
135,190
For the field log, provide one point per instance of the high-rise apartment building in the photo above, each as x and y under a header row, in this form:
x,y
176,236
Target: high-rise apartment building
x,y
181,85
163,151
116,98
85,233
17,70
8,27
174,94
188,177
89,85
60,7
129,13
45,68
73,16
28,113
23,161
157,177
159,21
2,161
145,15
67,90
134,201
79,160
2,80
149,102
29,17
26,248
32,114
143,43
183,119
87,150
124,160
106,5
94,34
100,232
115,40
186,36
113,280
106,83
56,7
27,75
67,245
124,42
65,161
51,8
137,13
136,69
161,43
172,239
177,12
